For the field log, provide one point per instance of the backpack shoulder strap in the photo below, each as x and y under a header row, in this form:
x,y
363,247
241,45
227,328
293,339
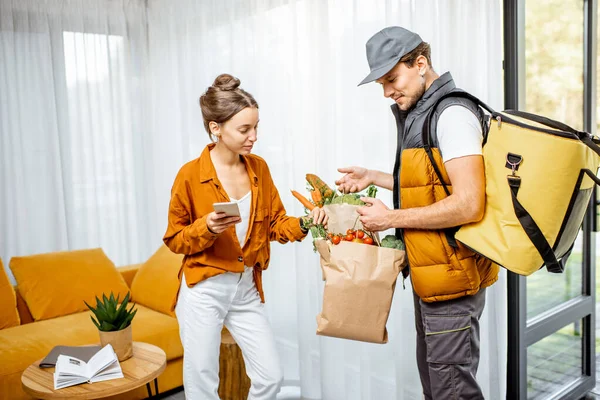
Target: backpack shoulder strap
x,y
426,133
426,137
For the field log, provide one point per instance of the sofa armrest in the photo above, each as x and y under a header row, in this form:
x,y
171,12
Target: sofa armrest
x,y
128,272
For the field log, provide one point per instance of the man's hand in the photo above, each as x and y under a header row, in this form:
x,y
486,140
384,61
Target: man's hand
x,y
374,216
354,180
219,222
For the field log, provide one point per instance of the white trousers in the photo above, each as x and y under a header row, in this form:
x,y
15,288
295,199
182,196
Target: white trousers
x,y
230,299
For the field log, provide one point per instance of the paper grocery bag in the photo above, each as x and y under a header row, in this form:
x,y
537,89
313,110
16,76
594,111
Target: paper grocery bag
x,y
359,286
342,217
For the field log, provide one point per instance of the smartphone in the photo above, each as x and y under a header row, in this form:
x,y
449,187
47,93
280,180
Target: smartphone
x,y
230,209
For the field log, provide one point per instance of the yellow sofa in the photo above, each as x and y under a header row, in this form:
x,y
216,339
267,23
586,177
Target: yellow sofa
x,y
38,329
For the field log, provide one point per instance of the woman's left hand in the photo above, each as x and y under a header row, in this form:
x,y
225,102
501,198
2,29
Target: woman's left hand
x,y
318,216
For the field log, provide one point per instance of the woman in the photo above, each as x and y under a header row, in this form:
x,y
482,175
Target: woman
x,y
224,256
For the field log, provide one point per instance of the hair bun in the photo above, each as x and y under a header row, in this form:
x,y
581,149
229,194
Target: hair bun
x,y
226,82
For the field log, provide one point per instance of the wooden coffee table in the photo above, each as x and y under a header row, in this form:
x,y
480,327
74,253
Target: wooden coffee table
x,y
146,364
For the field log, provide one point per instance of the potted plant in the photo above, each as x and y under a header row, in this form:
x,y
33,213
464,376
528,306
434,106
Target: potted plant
x,y
114,323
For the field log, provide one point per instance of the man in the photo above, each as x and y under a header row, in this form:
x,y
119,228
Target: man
x,y
448,279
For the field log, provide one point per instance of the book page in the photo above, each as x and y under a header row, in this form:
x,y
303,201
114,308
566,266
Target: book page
x,y
101,360
71,366
69,371
113,371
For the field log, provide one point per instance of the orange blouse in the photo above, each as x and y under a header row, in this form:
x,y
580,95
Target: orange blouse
x,y
195,190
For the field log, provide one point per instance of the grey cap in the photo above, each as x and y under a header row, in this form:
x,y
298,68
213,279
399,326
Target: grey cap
x,y
386,48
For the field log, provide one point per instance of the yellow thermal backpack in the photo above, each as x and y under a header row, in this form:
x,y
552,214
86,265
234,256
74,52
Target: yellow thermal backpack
x,y
540,175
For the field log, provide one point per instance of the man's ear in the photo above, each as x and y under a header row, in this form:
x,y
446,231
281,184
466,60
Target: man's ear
x,y
215,128
422,65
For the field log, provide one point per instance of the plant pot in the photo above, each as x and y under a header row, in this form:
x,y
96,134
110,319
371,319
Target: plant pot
x,y
120,341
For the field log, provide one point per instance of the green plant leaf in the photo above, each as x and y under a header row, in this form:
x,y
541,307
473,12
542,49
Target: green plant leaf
x,y
100,305
95,311
113,303
110,315
109,305
102,309
95,322
122,311
127,298
107,327
372,191
121,315
103,316
109,308
123,325
130,316
131,309
92,309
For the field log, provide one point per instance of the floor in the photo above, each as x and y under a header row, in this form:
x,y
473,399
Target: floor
x,y
293,393
286,393
175,396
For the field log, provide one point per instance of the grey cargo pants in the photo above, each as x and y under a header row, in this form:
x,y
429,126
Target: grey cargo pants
x,y
448,347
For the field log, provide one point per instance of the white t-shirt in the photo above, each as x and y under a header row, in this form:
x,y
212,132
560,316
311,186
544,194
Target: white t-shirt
x,y
241,229
459,133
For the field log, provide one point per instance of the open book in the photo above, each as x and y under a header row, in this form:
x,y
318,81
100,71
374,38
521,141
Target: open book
x,y
103,366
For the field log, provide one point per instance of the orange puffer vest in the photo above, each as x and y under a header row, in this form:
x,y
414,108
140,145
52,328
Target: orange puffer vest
x,y
440,267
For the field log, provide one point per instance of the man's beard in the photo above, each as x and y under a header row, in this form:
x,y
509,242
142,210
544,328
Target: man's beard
x,y
413,100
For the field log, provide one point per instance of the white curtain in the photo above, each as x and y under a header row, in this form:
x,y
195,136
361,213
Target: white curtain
x,y
71,114
302,60
99,109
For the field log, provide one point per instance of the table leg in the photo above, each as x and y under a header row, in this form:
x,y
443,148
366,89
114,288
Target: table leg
x,y
149,389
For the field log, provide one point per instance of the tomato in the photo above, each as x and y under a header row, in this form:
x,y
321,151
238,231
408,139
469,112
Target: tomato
x,y
360,234
368,240
349,237
357,240
350,232
330,235
336,239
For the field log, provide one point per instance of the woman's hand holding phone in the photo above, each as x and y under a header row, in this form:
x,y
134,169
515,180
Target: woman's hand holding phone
x,y
217,222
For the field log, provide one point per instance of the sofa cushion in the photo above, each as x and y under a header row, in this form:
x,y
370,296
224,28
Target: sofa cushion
x,y
21,345
156,283
56,284
9,316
